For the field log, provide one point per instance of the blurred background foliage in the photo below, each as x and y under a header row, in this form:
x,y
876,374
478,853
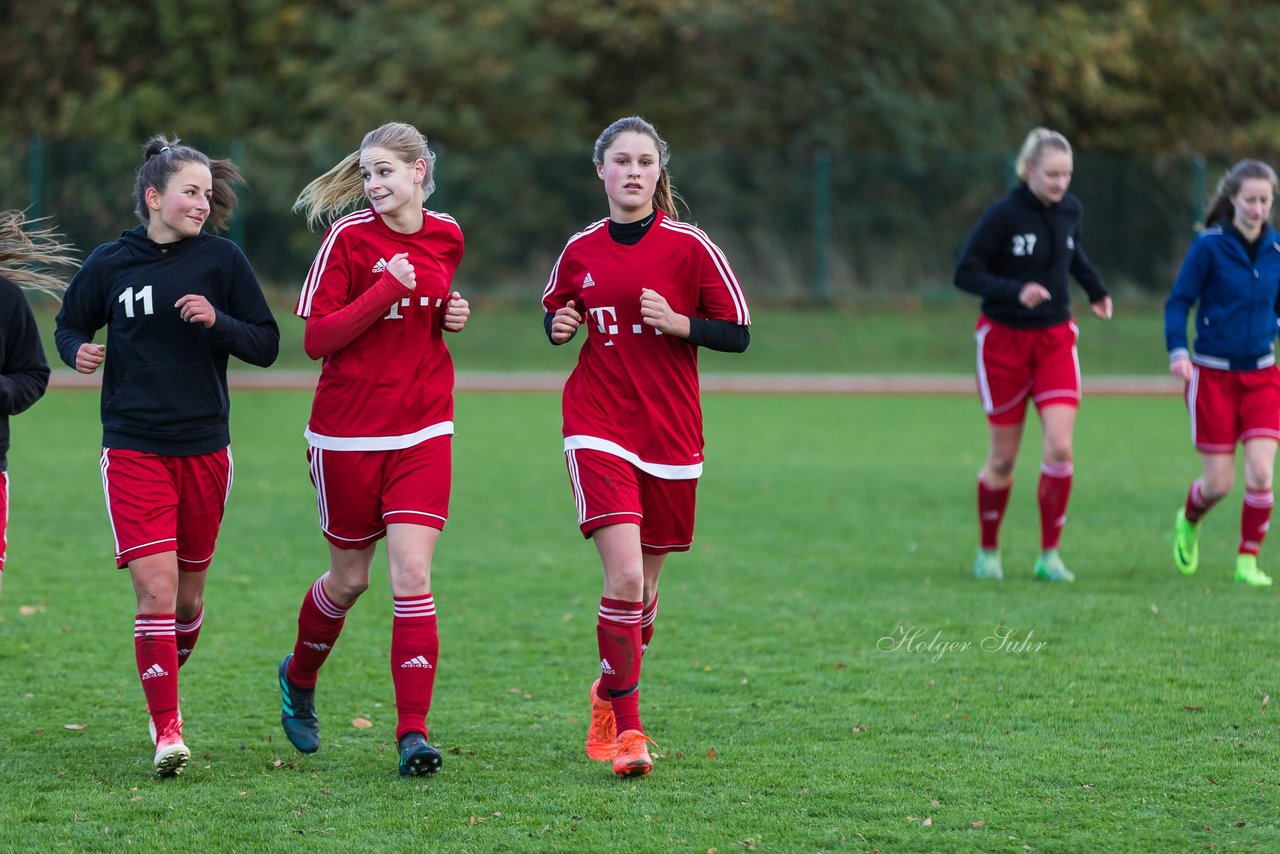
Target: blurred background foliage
x,y
834,148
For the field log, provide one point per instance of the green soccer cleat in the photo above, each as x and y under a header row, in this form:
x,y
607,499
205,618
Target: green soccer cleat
x,y
1247,572
988,565
1049,567
1186,543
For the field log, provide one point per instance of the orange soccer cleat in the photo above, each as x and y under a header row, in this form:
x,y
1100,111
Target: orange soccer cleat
x,y
632,759
602,737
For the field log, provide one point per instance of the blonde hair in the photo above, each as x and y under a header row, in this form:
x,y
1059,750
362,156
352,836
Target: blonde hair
x,y
1033,148
26,250
162,158
1221,209
342,187
665,197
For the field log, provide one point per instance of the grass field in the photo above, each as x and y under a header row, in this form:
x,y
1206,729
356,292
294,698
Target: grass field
x,y
1128,712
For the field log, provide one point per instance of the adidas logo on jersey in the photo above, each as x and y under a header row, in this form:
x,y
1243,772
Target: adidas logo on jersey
x,y
154,671
417,661
318,647
588,282
381,266
606,667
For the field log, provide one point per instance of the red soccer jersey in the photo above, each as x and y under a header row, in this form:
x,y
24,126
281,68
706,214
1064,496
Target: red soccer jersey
x,y
392,385
634,392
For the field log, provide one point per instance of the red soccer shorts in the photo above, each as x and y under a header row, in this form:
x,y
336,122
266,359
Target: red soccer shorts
x,y
1232,406
608,490
359,493
162,504
1014,364
4,516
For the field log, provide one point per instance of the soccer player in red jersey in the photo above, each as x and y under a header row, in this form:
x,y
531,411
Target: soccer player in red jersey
x,y
177,303
1017,259
1231,274
649,290
27,257
377,301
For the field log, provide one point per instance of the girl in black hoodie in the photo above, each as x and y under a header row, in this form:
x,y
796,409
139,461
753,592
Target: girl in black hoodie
x,y
176,302
1017,259
26,257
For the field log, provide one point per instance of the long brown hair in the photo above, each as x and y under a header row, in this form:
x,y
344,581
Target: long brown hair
x,y
1221,209
162,158
343,186
665,197
28,251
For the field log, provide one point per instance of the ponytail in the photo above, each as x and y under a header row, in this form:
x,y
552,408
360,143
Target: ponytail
x,y
161,160
665,197
1033,149
342,187
26,250
1221,209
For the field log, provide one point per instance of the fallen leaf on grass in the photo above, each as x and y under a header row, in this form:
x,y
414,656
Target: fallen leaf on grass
x,y
28,610
1154,609
74,726
361,723
277,763
1266,700
711,754
1211,780
928,822
977,824
859,728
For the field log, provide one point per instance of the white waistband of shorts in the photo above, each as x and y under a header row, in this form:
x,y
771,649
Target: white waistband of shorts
x,y
378,443
666,472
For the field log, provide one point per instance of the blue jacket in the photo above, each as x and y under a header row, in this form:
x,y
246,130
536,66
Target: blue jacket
x,y
1236,299
164,384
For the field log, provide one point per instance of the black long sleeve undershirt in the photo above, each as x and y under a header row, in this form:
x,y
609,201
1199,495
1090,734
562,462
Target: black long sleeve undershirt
x,y
723,335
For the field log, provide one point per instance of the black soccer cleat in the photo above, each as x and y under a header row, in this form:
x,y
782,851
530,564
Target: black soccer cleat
x,y
298,712
417,757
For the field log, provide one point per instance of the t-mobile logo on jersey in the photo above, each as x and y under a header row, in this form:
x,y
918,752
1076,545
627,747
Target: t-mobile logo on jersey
x,y
606,318
423,302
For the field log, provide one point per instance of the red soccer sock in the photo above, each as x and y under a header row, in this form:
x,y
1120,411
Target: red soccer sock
x,y
991,507
1054,493
156,652
319,624
415,650
1255,518
186,635
1197,505
618,639
648,616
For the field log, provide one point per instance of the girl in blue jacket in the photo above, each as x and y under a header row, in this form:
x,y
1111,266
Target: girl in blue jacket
x,y
1231,274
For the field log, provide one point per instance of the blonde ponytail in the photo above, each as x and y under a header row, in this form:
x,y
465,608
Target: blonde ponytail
x,y
26,250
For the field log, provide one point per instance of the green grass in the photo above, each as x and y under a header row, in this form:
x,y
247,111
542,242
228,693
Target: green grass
x,y
826,525
934,336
